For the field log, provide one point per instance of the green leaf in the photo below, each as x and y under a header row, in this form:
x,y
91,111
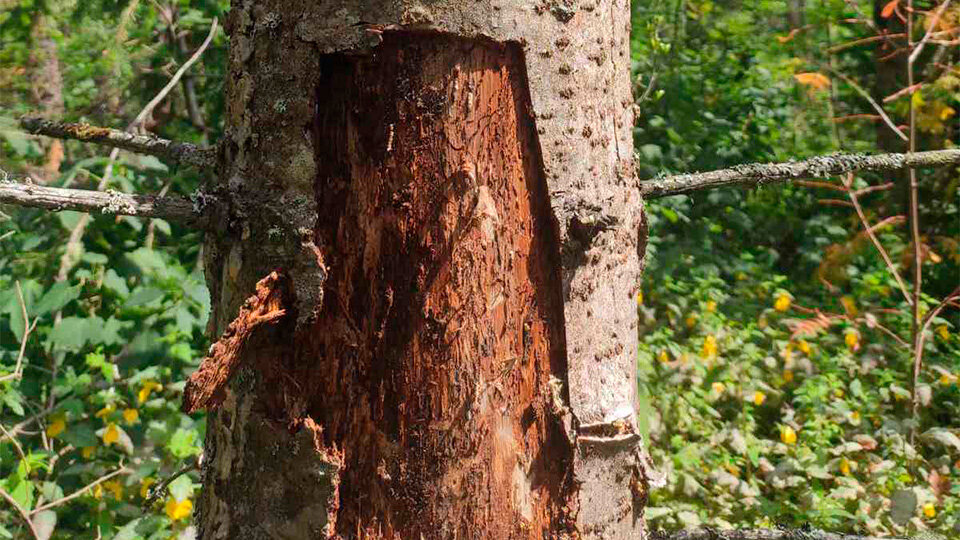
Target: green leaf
x,y
181,488
143,296
22,492
80,434
13,400
58,296
70,334
183,443
114,282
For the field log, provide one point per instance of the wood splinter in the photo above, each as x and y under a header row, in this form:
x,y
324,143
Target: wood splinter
x,y
206,388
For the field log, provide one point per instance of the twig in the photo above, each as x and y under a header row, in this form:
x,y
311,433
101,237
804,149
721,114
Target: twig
x,y
16,443
174,152
138,121
160,490
914,208
821,166
170,208
933,24
81,491
866,95
873,238
27,329
23,513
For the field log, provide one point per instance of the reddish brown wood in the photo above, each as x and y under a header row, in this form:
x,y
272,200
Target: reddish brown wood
x,y
433,363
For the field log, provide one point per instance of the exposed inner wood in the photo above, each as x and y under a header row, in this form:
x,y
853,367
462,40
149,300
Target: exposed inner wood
x,y
433,363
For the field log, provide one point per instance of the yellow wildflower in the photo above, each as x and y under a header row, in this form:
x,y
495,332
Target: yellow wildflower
x,y
855,417
849,305
711,306
146,388
130,416
718,387
782,303
639,298
102,413
759,397
58,425
804,347
709,350
787,375
111,434
114,487
946,379
788,436
733,469
691,320
145,486
664,357
852,339
845,467
943,332
929,510
178,510
97,491
87,451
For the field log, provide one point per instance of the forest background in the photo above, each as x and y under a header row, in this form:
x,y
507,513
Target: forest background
x,y
775,371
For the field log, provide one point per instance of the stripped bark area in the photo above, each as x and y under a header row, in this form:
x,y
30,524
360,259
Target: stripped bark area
x,y
206,387
430,364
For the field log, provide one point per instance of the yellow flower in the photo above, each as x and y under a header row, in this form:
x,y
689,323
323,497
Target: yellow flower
x,y
838,392
849,305
741,276
664,357
146,388
844,467
804,347
145,486
929,510
787,375
115,488
57,425
734,470
946,379
639,298
111,434
178,510
87,451
691,320
944,332
709,350
102,413
852,339
855,417
788,436
97,491
711,306
782,303
759,397
130,416
718,387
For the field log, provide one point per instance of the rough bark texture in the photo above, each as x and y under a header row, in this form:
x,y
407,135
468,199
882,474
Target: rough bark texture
x,y
449,187
47,86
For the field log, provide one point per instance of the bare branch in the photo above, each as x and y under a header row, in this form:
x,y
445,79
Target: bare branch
x,y
27,329
756,534
23,513
817,167
81,491
175,152
169,208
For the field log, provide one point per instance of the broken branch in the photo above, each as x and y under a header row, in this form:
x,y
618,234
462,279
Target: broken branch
x,y
174,152
169,208
759,174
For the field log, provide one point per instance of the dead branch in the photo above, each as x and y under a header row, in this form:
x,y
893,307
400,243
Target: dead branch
x,y
174,152
760,174
757,534
168,207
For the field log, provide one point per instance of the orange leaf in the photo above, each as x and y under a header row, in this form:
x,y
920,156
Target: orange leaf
x,y
889,9
818,81
788,37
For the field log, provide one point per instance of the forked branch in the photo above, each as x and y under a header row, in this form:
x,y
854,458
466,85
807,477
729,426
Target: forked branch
x,y
769,173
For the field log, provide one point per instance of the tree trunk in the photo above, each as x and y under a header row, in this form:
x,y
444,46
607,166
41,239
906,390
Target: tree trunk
x,y
443,198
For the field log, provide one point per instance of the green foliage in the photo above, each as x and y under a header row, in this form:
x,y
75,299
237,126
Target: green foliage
x,y
111,344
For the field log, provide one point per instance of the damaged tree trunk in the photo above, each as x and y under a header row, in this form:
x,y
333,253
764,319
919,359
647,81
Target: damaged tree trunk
x,y
425,280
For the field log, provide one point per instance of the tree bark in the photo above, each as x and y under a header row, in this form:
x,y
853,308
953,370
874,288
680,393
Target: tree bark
x,y
444,201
